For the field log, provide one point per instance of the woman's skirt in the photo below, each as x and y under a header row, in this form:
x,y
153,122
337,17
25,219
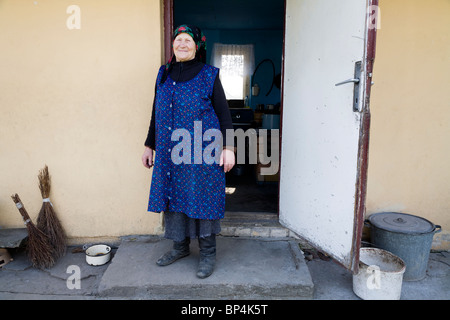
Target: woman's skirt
x,y
179,226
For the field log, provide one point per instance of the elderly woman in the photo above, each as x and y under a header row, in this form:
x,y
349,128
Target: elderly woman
x,y
188,97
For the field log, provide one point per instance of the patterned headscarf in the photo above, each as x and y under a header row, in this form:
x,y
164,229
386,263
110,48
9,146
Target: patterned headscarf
x,y
200,41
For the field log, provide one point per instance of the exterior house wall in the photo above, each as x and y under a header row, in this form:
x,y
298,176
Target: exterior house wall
x,y
78,100
410,132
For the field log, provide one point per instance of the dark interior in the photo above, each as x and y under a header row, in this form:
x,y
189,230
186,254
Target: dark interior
x,y
261,23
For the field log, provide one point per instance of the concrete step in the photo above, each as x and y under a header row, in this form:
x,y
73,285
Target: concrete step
x,y
254,224
246,268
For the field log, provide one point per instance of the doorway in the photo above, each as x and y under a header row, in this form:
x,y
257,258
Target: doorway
x,y
253,30
326,121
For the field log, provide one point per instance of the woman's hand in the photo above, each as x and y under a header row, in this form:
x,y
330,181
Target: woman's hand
x,y
147,158
227,159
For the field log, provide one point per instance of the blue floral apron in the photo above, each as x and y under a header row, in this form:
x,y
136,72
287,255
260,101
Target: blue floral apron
x,y
193,186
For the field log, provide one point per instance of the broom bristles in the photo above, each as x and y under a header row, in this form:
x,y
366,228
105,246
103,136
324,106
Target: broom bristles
x,y
39,249
44,182
47,220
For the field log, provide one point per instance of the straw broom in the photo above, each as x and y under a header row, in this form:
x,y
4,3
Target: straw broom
x,y
47,221
38,247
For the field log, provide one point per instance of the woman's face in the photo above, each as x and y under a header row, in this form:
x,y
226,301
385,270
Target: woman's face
x,y
184,47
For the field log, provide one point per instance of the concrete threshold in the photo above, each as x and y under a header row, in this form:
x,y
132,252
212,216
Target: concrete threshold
x,y
246,268
254,224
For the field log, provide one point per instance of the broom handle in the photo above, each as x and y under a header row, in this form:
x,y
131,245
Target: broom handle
x,y
22,210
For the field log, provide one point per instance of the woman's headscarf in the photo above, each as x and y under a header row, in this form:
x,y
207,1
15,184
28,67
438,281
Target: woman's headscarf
x,y
200,42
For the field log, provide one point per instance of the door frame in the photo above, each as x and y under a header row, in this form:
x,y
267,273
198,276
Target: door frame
x,y
167,29
363,148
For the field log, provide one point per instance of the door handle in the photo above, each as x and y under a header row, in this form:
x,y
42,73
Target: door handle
x,y
356,80
347,81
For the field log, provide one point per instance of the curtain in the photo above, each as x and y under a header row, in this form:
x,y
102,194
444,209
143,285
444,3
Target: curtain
x,y
236,63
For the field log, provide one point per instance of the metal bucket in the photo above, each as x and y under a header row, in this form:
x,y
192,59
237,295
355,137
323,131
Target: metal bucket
x,y
380,275
406,236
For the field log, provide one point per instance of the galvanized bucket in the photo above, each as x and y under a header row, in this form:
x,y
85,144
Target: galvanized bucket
x,y
406,236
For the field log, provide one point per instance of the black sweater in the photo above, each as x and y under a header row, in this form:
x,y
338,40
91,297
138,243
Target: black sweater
x,y
185,71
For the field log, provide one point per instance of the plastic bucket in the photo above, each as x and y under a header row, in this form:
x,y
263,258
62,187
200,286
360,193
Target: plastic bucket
x,y
380,275
408,237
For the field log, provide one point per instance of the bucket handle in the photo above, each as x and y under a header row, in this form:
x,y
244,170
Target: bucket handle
x,y
436,229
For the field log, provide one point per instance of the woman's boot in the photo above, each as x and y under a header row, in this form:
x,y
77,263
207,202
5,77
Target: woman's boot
x,y
180,250
207,256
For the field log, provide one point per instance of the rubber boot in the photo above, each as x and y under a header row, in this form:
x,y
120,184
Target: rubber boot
x,y
207,256
180,250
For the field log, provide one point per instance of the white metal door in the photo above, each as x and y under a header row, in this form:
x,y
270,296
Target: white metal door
x,y
324,140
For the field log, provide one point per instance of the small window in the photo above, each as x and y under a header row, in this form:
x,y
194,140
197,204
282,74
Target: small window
x,y
236,64
232,72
